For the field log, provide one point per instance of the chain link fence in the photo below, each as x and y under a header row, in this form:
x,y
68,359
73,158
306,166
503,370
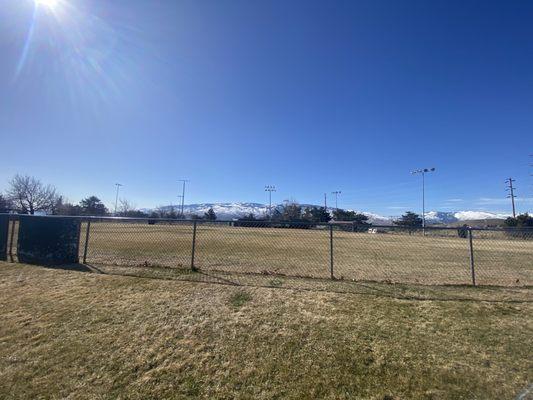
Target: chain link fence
x,y
274,253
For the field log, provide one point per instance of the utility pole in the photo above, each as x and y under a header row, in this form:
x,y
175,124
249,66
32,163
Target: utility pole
x,y
325,201
182,194
270,189
511,194
423,172
336,193
531,166
118,185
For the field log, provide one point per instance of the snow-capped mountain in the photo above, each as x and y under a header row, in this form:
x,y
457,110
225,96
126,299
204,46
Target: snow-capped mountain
x,y
228,211
457,216
377,219
223,210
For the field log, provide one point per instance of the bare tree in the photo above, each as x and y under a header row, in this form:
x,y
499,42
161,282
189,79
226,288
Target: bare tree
x,y
64,207
30,195
125,208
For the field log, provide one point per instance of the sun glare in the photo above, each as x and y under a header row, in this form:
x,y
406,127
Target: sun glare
x,y
47,3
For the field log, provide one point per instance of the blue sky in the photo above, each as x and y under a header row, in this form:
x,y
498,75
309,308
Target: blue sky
x,y
310,96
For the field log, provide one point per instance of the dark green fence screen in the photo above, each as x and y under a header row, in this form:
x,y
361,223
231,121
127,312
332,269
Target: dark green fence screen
x,y
48,241
4,226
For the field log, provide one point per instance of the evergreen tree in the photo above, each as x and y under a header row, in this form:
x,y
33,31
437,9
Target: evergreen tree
x,y
409,220
352,216
210,215
521,221
462,231
276,215
316,214
92,205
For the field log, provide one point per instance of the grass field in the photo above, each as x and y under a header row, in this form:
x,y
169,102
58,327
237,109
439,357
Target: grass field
x,y
389,257
77,335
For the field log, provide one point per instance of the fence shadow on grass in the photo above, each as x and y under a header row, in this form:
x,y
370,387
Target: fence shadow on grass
x,y
73,267
400,291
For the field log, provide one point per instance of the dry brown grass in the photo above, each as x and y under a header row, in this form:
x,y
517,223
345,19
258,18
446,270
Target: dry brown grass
x,y
296,252
77,335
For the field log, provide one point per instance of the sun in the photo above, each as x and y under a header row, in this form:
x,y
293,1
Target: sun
x,y
48,3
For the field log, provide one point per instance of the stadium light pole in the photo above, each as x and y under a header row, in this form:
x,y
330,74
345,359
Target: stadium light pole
x,y
336,193
423,171
270,189
118,185
182,194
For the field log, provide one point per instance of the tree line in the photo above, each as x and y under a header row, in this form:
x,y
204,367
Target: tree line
x,y
28,195
295,213
298,215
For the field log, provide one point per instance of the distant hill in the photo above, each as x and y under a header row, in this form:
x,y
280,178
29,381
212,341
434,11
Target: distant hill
x,y
223,210
228,211
463,217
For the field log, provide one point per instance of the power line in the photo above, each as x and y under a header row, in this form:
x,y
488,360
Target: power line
x,y
336,193
511,194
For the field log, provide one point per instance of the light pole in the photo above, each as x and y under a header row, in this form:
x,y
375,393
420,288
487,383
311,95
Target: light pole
x,y
336,193
118,185
423,172
270,189
182,194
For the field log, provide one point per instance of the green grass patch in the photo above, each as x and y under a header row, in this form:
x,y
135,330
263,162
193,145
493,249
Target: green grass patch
x,y
276,282
240,298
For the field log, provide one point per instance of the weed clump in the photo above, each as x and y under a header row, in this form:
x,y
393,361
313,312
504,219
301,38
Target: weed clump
x,y
240,298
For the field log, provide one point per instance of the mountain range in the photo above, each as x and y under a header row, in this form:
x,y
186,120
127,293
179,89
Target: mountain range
x,y
228,211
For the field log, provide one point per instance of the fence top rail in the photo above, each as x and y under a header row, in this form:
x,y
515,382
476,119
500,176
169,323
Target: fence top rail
x,y
273,223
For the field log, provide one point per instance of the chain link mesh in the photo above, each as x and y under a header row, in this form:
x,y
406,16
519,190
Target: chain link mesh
x,y
274,253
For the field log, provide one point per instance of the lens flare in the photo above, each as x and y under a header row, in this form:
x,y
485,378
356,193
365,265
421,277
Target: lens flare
x,y
47,3
95,60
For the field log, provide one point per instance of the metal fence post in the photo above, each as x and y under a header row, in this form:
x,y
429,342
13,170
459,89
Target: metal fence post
x,y
193,267
472,269
11,239
86,241
331,251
